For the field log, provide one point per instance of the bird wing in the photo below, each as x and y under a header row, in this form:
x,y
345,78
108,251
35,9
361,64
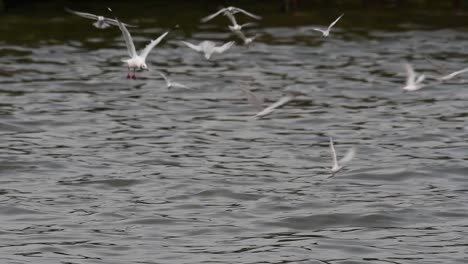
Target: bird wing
x,y
421,78
192,46
453,74
231,18
128,40
410,74
179,85
224,47
247,13
81,14
115,23
282,101
144,53
319,30
334,22
348,157
253,99
208,18
332,147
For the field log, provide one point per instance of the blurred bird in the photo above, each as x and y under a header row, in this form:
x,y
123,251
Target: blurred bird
x,y
413,82
102,22
229,10
327,31
338,165
137,62
209,47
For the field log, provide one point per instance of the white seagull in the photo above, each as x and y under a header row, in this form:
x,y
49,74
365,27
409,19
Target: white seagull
x,y
170,84
413,82
235,26
229,10
208,47
102,22
257,102
327,31
338,165
137,62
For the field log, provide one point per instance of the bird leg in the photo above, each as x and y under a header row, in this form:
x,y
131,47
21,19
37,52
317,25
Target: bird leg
x,y
128,73
134,75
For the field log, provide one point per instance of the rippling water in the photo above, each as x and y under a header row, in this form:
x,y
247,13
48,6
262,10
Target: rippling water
x,y
100,169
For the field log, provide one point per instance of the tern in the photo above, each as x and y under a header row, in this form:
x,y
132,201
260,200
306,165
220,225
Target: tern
x,y
327,31
413,82
170,84
229,10
102,22
208,47
137,62
257,102
338,165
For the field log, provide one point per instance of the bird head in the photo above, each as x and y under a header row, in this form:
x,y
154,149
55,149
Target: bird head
x,y
144,67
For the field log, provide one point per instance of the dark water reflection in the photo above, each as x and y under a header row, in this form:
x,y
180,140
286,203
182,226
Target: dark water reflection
x,y
100,169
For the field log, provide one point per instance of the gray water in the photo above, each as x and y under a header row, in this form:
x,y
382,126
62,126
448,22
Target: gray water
x,y
97,168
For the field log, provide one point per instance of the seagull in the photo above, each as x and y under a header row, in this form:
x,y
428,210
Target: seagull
x,y
229,10
209,47
258,102
413,83
245,39
338,165
327,31
102,22
137,62
235,26
170,84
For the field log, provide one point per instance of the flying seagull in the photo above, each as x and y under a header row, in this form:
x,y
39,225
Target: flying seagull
x,y
229,10
170,84
258,102
327,31
338,165
209,47
137,62
413,82
102,22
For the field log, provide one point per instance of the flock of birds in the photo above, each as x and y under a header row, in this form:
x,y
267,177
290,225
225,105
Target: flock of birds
x,y
137,62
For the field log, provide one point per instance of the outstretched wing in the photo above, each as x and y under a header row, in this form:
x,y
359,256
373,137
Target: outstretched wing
x,y
247,13
115,23
410,74
334,22
81,14
179,85
231,18
348,157
224,47
208,18
282,101
332,147
192,46
128,39
319,30
252,98
144,53
453,74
